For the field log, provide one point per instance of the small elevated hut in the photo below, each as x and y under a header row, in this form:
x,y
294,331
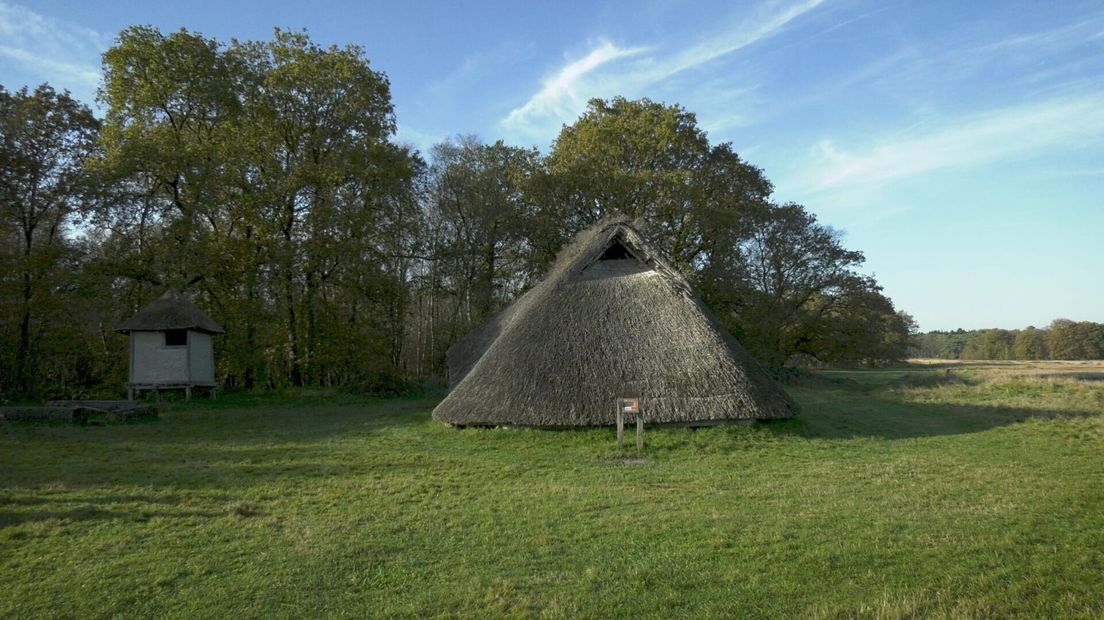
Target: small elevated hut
x,y
612,319
171,346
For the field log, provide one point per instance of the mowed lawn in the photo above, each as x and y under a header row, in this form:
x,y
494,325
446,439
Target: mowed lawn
x,y
897,493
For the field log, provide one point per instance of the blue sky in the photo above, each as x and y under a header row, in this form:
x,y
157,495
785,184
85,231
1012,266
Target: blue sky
x,y
960,145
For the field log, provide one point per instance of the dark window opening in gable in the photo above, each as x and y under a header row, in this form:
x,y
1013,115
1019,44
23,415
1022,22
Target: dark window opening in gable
x,y
176,338
615,252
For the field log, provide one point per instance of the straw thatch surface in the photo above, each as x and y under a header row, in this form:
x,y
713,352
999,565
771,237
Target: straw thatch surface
x,y
170,311
597,329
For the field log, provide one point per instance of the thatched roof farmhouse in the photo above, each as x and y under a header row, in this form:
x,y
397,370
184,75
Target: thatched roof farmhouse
x,y
612,319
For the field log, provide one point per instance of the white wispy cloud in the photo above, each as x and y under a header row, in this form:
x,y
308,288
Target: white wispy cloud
x,y
37,48
1023,58
565,92
747,32
608,70
1064,36
979,139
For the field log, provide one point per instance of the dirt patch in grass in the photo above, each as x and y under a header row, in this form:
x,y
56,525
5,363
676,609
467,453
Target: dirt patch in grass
x,y
242,509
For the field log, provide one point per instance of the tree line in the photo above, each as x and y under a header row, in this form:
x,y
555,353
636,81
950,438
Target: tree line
x,y
1063,339
264,180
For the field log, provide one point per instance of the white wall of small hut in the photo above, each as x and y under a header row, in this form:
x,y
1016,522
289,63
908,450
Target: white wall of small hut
x,y
202,357
151,362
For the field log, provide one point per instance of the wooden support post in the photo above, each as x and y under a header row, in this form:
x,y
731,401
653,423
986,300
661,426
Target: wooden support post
x,y
158,397
188,393
620,426
130,393
639,431
213,390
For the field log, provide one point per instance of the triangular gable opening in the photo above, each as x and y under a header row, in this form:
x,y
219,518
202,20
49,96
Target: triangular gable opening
x,y
615,261
616,251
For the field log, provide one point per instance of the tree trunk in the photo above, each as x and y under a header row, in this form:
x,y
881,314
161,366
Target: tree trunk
x,y
23,355
295,370
309,362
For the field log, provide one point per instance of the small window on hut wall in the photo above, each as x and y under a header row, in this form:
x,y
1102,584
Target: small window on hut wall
x,y
176,338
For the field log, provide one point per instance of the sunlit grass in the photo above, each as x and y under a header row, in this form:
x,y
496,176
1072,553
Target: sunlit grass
x,y
897,493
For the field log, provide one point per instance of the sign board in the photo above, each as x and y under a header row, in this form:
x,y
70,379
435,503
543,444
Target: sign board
x,y
629,405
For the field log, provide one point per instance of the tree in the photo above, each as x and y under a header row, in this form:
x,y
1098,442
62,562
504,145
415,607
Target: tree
x,y
1030,344
651,161
861,326
45,139
989,344
318,123
1070,340
477,197
798,291
262,175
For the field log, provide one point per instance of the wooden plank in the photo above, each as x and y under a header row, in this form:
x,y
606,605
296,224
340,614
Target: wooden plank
x,y
106,405
621,427
43,414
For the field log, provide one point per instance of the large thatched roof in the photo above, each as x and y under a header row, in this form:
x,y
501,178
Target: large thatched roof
x,y
610,320
170,311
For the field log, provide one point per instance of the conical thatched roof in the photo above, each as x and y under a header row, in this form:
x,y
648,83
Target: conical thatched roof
x,y
610,320
170,311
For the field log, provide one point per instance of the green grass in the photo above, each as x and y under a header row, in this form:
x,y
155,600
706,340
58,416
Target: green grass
x,y
895,494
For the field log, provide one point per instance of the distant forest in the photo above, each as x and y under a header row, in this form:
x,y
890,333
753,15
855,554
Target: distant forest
x,y
263,180
1062,340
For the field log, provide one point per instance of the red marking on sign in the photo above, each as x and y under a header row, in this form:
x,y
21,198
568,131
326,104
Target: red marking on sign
x,y
630,405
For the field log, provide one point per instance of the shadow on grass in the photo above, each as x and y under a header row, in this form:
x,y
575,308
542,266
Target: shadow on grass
x,y
867,413
199,452
126,507
91,513
255,421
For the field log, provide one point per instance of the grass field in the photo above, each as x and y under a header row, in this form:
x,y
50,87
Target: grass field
x,y
930,491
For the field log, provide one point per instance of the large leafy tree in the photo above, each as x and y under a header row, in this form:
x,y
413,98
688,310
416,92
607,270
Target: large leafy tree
x,y
798,292
1030,344
169,99
262,175
317,123
483,217
46,138
1071,340
480,223
651,161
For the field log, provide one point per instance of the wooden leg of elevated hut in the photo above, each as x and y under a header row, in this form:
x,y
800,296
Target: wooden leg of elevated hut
x,y
639,432
187,392
130,393
158,397
213,390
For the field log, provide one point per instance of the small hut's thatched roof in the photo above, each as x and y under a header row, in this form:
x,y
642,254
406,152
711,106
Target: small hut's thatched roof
x,y
610,320
170,311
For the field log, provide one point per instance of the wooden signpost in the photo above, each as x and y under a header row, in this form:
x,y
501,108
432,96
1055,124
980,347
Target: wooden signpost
x,y
629,407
